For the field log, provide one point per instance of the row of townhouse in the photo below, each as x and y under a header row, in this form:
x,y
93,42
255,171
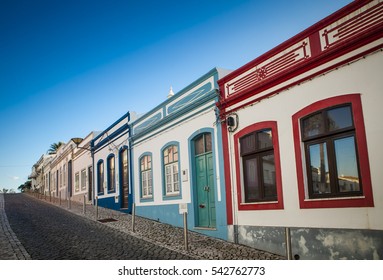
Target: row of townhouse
x,y
289,140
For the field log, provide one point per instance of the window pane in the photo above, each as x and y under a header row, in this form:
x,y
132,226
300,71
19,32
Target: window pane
x,y
319,168
143,164
346,163
268,166
339,118
150,183
125,167
208,142
313,125
251,180
166,156
175,149
264,139
248,144
199,145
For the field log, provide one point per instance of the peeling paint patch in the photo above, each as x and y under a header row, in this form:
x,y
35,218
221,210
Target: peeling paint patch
x,y
316,243
302,245
344,244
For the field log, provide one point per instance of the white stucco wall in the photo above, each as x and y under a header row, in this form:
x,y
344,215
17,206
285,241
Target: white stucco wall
x,y
158,139
362,76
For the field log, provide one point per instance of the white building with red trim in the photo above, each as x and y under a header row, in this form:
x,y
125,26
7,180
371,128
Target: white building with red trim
x,y
302,128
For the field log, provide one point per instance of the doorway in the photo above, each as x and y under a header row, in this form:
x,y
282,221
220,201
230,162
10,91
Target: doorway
x,y
124,178
204,181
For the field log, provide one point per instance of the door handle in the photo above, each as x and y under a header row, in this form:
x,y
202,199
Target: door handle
x,y
206,189
202,206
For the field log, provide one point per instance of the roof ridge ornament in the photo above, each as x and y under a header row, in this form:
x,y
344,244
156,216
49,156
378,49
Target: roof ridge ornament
x,y
171,93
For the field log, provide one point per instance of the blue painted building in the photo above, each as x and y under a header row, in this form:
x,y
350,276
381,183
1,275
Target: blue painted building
x,y
177,159
111,161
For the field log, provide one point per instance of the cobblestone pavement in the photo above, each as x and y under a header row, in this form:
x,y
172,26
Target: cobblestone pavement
x,y
49,232
10,246
147,232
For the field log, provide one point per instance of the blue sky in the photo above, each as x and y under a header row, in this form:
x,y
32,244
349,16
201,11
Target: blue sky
x,y
68,67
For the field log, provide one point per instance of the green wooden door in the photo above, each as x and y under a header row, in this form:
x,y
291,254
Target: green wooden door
x,y
205,203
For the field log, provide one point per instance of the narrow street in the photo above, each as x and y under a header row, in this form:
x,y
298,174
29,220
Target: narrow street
x,y
49,232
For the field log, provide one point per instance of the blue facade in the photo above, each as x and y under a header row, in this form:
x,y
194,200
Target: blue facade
x,y
107,151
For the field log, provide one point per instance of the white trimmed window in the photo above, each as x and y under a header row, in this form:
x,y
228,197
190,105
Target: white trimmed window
x,y
170,155
77,182
83,179
146,176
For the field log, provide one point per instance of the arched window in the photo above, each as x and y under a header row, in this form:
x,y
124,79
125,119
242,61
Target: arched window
x,y
111,174
259,182
331,154
146,176
170,169
100,177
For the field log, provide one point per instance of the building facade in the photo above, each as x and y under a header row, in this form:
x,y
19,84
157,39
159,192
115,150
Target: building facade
x,y
177,160
61,172
111,162
83,170
40,174
302,124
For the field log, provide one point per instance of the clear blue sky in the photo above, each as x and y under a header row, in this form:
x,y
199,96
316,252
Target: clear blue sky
x,y
68,67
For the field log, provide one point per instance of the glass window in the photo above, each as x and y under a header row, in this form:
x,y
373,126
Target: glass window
x,y
100,177
170,156
346,163
83,179
77,182
124,165
331,154
203,144
111,174
319,168
264,139
339,118
259,166
146,176
313,125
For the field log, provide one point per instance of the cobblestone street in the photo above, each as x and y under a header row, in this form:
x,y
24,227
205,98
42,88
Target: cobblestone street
x,y
48,230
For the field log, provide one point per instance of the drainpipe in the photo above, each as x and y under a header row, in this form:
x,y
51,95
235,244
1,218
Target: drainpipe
x,y
233,196
288,243
130,149
93,169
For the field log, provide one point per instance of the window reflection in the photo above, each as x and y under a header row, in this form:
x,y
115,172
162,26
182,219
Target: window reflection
x,y
319,168
339,118
313,125
347,168
264,139
252,192
268,166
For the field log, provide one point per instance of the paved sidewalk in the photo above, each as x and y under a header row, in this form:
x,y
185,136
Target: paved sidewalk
x,y
200,246
10,246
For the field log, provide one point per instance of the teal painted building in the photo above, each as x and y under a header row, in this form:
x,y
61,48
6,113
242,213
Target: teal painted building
x,y
177,159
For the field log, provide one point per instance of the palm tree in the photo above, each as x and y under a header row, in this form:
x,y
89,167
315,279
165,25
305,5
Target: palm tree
x,y
26,186
54,147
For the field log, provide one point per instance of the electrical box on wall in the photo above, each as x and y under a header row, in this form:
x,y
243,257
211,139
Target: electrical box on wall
x,y
185,175
183,208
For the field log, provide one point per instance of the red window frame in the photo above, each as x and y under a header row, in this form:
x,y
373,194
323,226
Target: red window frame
x,y
366,200
266,205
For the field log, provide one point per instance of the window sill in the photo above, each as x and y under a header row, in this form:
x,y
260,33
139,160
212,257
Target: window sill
x,y
172,196
337,202
146,199
262,205
205,228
